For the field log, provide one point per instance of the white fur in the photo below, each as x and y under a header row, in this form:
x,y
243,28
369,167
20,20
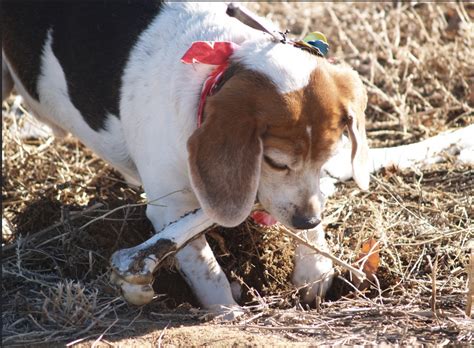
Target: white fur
x,y
288,68
158,108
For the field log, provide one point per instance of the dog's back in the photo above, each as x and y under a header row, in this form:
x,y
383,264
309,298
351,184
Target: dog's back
x,y
91,41
99,69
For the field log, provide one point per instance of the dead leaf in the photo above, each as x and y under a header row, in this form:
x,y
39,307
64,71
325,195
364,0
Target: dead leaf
x,y
369,256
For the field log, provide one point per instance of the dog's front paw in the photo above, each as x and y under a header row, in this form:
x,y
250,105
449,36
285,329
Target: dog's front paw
x,y
136,294
313,273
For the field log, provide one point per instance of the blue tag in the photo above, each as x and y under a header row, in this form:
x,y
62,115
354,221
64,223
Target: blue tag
x,y
322,46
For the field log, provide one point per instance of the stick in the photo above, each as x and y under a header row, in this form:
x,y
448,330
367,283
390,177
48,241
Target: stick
x,y
353,270
470,287
434,270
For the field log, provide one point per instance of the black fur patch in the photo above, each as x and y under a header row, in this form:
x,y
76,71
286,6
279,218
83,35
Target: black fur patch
x,y
91,39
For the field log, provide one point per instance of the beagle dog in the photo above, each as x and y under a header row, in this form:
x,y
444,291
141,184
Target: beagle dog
x,y
110,73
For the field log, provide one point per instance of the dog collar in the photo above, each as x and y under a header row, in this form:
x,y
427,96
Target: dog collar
x,y
211,53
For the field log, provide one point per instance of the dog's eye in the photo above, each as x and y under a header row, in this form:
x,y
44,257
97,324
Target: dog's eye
x,y
344,120
275,165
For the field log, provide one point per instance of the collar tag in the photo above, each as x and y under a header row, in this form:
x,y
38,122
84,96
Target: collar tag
x,y
315,43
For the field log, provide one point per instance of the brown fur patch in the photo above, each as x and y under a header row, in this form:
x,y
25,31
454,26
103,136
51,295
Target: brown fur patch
x,y
325,102
282,120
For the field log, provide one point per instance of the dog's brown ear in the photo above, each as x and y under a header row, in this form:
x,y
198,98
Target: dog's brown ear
x,y
360,150
225,156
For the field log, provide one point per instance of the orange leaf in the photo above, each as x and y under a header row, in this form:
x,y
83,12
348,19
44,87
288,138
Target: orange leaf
x,y
372,261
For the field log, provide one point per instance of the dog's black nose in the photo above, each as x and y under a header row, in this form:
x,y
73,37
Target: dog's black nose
x,y
304,222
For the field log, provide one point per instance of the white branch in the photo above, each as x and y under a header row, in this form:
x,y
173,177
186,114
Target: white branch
x,y
429,151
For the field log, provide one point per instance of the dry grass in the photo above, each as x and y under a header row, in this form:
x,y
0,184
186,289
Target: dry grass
x,y
416,62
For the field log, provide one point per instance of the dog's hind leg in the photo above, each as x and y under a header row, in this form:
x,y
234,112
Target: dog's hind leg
x,y
7,81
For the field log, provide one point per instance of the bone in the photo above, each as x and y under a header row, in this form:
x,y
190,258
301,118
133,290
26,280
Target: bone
x,y
416,155
135,266
425,152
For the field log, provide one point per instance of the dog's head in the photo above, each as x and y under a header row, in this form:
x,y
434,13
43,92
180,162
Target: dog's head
x,y
268,131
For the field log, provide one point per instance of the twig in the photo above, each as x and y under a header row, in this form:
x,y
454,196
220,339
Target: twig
x,y
434,270
162,334
355,271
128,206
96,342
292,328
470,287
110,212
252,318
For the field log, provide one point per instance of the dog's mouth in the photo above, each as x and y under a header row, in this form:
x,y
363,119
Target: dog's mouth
x,y
263,218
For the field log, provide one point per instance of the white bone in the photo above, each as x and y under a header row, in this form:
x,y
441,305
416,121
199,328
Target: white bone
x,y
425,152
415,155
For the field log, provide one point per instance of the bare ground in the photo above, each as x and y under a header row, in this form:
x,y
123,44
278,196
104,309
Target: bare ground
x,y
416,62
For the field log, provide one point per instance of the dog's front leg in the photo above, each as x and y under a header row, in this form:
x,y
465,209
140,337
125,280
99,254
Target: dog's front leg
x,y
198,265
133,268
313,273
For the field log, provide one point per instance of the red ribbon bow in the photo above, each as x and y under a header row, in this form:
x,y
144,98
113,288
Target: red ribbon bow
x,y
209,52
213,53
